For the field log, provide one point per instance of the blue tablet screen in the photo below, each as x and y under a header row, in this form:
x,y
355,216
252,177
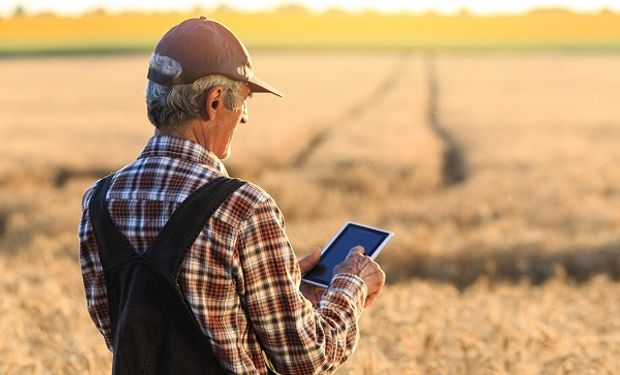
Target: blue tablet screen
x,y
353,235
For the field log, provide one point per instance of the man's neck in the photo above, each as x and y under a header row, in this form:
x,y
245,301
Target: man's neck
x,y
194,131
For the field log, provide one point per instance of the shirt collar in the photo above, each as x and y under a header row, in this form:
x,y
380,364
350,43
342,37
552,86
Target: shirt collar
x,y
166,145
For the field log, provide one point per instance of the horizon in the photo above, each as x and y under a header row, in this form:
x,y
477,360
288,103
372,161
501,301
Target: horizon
x,y
78,8
103,31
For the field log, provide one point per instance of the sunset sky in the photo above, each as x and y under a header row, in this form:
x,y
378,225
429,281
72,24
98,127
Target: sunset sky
x,y
446,6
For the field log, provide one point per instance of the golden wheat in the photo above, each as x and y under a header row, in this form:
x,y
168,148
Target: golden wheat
x,y
510,268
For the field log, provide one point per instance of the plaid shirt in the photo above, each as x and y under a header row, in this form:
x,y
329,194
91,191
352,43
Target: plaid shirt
x,y
241,277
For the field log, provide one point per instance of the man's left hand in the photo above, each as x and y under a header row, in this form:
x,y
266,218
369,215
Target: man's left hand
x,y
311,292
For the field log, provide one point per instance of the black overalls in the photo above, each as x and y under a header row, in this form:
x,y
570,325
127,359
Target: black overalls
x,y
153,328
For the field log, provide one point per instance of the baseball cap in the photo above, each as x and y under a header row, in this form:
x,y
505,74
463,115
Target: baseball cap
x,y
205,47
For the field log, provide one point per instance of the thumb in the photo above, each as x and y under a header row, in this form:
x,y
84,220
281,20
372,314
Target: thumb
x,y
310,260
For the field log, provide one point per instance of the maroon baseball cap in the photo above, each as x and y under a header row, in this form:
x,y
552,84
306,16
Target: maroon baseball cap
x,y
205,47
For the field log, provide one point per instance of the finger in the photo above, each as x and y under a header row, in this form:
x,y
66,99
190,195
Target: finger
x,y
357,250
370,299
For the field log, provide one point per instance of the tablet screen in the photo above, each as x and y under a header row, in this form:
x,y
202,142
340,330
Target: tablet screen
x,y
353,235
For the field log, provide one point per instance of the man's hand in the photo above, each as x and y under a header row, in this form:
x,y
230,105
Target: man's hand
x,y
311,292
361,265
309,261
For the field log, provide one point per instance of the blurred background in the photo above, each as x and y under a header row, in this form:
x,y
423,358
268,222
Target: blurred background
x,y
484,134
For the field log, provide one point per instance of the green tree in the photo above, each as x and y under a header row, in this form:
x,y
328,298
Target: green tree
x,y
19,10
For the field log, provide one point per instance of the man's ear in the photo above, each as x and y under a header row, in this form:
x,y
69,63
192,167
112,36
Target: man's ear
x,y
211,102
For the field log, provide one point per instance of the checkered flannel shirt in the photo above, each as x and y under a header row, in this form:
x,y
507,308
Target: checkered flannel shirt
x,y
241,277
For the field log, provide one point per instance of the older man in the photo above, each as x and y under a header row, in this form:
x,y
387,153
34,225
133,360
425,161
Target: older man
x,y
187,271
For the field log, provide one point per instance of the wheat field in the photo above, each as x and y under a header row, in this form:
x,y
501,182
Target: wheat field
x,y
497,172
292,26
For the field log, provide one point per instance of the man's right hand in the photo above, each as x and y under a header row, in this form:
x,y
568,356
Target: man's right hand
x,y
367,269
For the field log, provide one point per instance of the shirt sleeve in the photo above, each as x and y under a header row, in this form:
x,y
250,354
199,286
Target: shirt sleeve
x,y
297,337
92,274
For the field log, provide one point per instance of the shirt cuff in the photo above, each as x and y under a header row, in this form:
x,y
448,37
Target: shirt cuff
x,y
351,287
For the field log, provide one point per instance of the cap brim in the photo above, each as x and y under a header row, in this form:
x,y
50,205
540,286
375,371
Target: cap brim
x,y
258,85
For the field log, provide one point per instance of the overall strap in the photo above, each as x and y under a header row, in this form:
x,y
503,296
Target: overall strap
x,y
174,241
112,244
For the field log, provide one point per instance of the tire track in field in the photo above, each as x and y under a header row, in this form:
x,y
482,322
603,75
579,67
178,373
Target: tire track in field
x,y
453,164
356,111
513,264
56,177
453,168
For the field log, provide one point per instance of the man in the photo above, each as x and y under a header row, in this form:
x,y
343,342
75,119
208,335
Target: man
x,y
237,280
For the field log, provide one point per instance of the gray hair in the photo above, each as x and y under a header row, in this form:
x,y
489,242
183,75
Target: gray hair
x,y
174,106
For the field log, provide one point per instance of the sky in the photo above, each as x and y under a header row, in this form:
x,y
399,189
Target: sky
x,y
73,7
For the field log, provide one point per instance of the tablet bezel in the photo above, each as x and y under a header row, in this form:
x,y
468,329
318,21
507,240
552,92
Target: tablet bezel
x,y
342,229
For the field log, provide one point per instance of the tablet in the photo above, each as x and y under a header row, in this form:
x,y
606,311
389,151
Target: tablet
x,y
350,235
